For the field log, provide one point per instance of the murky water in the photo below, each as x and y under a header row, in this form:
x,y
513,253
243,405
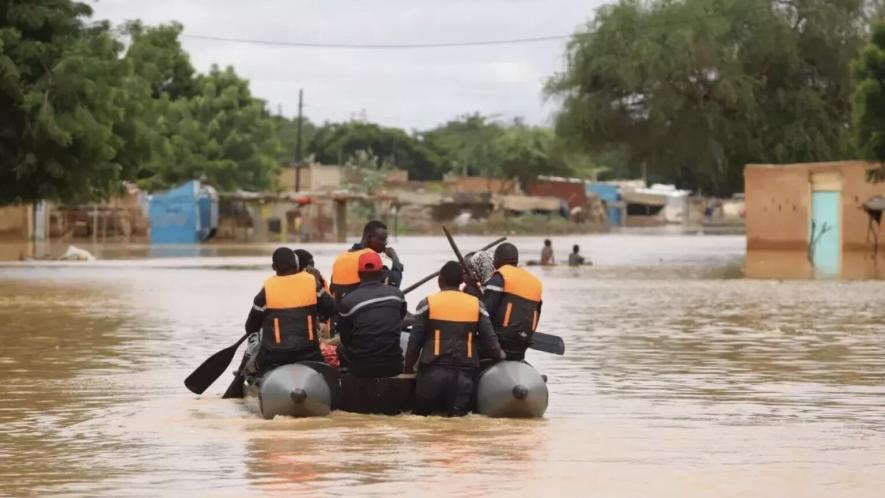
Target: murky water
x,y
678,381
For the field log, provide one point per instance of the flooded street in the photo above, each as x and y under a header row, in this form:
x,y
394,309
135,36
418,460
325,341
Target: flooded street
x,y
678,380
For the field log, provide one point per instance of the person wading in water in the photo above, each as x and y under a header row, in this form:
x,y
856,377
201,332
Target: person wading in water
x,y
513,299
451,330
547,254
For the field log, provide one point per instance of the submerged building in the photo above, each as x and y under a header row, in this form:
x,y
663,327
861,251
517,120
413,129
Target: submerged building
x,y
813,219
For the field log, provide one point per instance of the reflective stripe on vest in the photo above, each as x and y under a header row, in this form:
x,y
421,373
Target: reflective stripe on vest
x,y
516,319
345,270
291,306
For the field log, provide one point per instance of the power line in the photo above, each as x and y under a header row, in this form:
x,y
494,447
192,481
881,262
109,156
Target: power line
x,y
385,46
476,43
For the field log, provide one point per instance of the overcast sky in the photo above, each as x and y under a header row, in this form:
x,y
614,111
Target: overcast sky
x,y
407,88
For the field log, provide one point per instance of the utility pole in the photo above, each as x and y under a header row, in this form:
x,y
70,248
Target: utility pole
x,y
298,156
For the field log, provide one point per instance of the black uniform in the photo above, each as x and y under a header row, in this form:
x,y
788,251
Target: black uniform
x,y
287,311
448,327
513,299
369,325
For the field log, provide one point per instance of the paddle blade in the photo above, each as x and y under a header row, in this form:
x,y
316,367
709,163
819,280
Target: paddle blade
x,y
548,343
210,370
235,389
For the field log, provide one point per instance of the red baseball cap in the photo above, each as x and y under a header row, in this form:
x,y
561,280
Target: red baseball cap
x,y
369,262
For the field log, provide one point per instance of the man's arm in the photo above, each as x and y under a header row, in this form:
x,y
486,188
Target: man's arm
x,y
394,275
494,290
256,315
488,340
416,338
325,302
540,303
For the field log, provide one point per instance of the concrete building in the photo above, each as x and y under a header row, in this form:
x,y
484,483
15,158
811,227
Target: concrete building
x,y
310,177
815,210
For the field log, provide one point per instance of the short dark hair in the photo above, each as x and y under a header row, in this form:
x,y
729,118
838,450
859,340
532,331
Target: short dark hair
x,y
451,275
576,248
373,226
284,259
305,258
507,254
547,242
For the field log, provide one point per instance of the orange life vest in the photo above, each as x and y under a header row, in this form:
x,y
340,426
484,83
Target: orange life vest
x,y
291,315
345,273
451,330
517,316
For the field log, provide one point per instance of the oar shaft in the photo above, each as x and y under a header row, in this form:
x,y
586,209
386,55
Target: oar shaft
x,y
469,271
436,273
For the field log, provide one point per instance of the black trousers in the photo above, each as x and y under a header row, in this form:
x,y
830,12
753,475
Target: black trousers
x,y
370,367
443,390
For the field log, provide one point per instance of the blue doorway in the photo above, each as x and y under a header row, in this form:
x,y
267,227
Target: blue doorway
x,y
825,233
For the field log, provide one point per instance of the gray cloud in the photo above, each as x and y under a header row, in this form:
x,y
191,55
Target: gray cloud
x,y
407,88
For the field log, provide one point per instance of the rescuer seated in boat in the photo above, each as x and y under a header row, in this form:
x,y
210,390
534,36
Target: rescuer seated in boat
x,y
345,275
451,330
369,323
483,267
286,312
306,264
513,299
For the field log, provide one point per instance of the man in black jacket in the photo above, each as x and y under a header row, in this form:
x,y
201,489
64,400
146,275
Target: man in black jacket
x,y
286,313
369,323
451,331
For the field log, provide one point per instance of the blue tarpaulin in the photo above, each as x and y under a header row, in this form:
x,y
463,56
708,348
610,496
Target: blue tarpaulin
x,y
609,195
173,215
186,214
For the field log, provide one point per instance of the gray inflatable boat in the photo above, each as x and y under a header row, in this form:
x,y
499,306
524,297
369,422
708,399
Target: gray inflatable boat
x,y
506,389
511,389
308,389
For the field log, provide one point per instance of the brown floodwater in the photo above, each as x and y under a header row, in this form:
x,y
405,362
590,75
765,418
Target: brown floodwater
x,y
680,379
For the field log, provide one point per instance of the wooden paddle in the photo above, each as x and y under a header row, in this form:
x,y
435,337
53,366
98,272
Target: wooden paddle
x,y
436,273
547,343
207,373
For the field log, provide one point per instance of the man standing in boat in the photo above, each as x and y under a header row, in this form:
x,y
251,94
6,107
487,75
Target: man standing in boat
x,y
513,299
450,331
286,312
345,272
369,323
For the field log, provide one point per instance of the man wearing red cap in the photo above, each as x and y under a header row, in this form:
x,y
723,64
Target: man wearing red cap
x,y
369,323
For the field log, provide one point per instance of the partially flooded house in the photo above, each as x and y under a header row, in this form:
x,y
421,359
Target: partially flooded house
x,y
813,219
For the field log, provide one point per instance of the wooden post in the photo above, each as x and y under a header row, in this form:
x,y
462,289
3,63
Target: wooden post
x,y
341,219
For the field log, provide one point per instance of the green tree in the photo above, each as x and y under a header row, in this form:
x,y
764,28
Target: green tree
x,y
697,89
158,59
335,143
62,106
222,135
522,153
464,144
287,133
869,100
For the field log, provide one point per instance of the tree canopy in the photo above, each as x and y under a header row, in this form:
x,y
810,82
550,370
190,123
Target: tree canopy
x,y
697,89
64,110
869,99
